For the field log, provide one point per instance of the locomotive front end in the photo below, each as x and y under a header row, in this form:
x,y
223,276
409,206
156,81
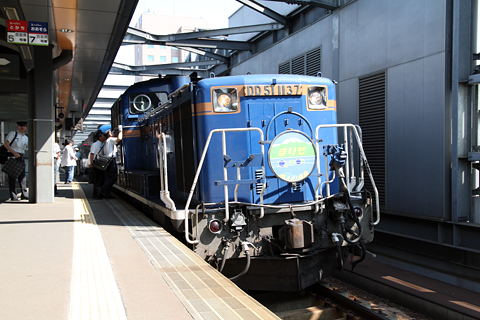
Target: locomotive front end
x,y
278,196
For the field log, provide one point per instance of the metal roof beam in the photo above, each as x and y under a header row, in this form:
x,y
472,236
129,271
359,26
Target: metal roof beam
x,y
327,4
134,34
264,10
205,53
195,43
168,68
202,73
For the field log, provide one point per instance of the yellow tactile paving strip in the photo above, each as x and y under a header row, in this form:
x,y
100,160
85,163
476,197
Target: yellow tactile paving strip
x,y
94,292
204,292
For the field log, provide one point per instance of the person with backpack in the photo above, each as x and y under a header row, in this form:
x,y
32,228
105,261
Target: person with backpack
x,y
16,144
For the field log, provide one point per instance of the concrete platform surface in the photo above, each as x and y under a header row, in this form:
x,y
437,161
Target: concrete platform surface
x,y
77,258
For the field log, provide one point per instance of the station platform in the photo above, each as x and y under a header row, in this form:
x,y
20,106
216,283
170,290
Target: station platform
x,y
82,258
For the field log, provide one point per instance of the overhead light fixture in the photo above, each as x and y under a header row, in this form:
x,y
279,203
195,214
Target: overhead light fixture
x,y
65,30
4,62
65,79
11,13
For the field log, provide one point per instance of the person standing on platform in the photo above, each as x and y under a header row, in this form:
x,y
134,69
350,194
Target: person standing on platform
x,y
110,150
16,144
98,175
56,157
69,161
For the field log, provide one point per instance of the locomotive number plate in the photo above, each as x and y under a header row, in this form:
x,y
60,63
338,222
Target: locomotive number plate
x,y
273,90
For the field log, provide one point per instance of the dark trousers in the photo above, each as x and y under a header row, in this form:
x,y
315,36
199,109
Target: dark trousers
x,y
22,180
98,180
110,178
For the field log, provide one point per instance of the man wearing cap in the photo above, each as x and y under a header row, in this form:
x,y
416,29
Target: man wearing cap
x,y
17,143
110,150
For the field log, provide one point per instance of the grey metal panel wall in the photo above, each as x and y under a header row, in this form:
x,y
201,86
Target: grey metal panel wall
x,y
378,34
309,38
416,169
348,94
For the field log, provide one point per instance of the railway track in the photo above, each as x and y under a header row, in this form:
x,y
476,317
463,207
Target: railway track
x,y
318,302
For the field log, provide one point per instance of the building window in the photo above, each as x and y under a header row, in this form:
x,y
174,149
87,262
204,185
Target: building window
x,y
150,58
163,59
174,59
163,47
150,46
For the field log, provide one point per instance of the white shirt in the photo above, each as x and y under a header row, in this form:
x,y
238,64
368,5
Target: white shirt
x,y
56,149
68,157
96,146
110,149
21,142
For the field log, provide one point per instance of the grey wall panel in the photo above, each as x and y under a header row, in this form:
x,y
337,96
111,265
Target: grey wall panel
x,y
397,151
378,34
349,58
416,170
268,60
414,137
437,170
347,101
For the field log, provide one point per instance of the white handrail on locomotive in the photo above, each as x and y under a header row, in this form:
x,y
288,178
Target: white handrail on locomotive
x,y
363,158
164,193
225,177
319,197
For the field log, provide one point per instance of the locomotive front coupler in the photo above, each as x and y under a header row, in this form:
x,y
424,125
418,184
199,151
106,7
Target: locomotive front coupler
x,y
238,221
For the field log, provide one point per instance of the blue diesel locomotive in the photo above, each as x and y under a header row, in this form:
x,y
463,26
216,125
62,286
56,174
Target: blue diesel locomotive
x,y
254,170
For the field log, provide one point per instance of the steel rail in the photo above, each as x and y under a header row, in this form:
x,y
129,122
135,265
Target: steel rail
x,y
345,304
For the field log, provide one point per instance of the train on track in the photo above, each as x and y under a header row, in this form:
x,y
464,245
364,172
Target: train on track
x,y
253,171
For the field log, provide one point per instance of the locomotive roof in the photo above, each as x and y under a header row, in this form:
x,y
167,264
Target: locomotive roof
x,y
266,79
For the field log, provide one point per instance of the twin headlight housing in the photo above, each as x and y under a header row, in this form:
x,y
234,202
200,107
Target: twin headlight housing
x,y
225,100
317,97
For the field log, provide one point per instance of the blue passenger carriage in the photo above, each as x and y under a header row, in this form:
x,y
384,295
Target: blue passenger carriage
x,y
255,171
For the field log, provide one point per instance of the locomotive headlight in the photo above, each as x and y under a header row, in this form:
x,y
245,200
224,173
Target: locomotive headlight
x,y
215,226
225,100
317,98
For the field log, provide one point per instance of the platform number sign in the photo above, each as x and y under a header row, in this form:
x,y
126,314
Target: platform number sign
x,y
17,31
38,33
27,32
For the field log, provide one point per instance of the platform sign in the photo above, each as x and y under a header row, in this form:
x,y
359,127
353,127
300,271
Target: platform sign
x,y
38,33
17,31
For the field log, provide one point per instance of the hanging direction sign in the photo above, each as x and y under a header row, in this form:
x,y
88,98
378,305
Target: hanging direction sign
x,y
27,32
38,33
17,31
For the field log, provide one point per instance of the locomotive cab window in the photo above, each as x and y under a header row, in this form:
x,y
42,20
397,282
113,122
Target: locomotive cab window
x,y
225,100
143,102
317,98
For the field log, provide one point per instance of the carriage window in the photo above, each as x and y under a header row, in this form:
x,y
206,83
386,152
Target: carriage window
x,y
142,102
